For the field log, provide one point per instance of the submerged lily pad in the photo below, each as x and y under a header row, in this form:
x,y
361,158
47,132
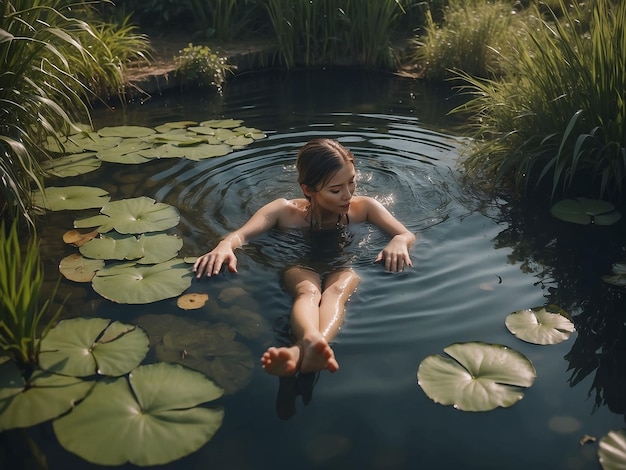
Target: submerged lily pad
x,y
79,269
72,165
70,198
81,347
476,376
192,301
210,348
131,283
43,397
540,325
612,450
585,211
141,215
150,419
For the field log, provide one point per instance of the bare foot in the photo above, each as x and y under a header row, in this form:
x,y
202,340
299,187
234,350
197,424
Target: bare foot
x,y
317,355
282,362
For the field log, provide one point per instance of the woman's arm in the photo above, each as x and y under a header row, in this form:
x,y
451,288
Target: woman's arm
x,y
396,253
223,254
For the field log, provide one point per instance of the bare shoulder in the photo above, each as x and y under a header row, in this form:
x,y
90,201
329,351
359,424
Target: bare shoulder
x,y
292,212
361,207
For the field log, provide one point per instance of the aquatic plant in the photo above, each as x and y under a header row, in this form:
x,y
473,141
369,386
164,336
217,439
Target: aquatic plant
x,y
24,315
324,32
50,60
200,66
558,116
471,37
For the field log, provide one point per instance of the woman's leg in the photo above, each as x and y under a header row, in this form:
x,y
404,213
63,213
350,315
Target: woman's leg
x,y
311,351
338,287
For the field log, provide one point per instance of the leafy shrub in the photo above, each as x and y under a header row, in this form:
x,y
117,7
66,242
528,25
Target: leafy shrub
x,y
200,66
560,112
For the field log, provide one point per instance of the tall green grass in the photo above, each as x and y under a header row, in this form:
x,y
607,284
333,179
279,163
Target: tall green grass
x,y
324,32
471,37
24,317
559,115
51,63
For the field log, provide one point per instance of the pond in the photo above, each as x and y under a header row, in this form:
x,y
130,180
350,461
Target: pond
x,y
476,261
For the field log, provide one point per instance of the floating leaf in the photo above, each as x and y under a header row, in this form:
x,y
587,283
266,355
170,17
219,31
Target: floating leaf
x,y
476,377
239,141
81,347
79,269
168,126
127,152
158,247
540,325
62,145
140,215
149,420
45,396
113,246
103,222
192,301
204,151
75,238
72,165
70,198
93,142
251,132
585,211
135,284
612,450
125,131
221,123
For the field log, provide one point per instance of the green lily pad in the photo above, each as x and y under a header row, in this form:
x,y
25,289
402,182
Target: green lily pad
x,y
70,198
79,269
150,419
81,347
168,126
158,247
43,397
93,142
585,211
112,246
62,145
541,325
103,222
239,141
140,215
131,283
204,151
127,152
222,123
612,450
251,132
72,165
125,131
476,377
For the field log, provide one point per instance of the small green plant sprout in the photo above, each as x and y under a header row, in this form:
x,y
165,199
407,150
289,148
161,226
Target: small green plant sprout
x,y
585,211
200,66
24,318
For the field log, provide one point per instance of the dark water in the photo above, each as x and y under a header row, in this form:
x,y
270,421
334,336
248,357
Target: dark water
x,y
476,262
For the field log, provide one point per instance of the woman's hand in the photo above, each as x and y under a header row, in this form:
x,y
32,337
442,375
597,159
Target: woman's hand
x,y
396,253
212,262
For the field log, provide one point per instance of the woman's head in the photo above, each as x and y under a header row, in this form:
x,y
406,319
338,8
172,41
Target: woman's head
x,y
319,160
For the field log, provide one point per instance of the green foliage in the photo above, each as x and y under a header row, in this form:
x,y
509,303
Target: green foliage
x,y
22,313
200,66
52,62
471,37
323,32
560,111
224,20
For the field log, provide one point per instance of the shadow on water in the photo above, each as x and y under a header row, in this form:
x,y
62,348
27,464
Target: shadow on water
x,y
569,262
475,263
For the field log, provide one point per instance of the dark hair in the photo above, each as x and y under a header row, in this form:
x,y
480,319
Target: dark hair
x,y
319,160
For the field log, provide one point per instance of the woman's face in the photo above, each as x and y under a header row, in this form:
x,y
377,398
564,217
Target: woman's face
x,y
335,196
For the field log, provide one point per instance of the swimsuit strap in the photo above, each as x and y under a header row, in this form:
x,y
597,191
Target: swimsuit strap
x,y
339,219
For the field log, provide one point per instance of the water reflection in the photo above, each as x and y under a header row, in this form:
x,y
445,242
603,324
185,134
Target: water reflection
x,y
569,261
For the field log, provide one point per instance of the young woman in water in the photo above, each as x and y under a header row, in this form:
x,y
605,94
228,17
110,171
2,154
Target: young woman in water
x,y
327,177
